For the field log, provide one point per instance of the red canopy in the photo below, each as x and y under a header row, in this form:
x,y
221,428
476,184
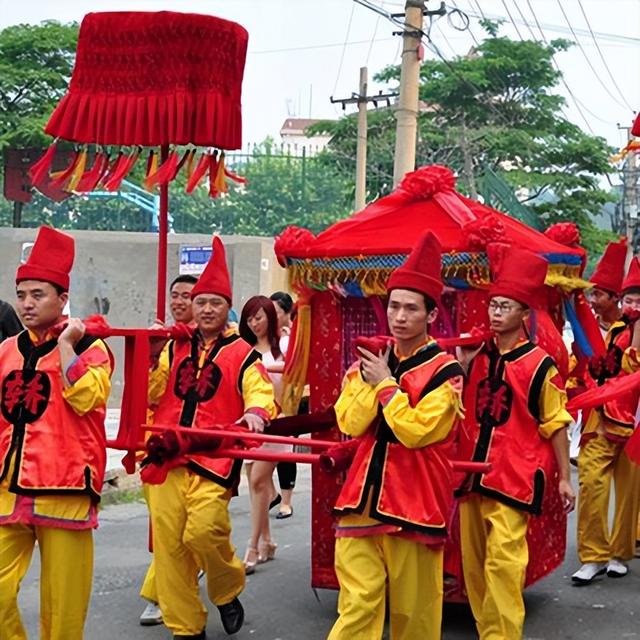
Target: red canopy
x,y
425,200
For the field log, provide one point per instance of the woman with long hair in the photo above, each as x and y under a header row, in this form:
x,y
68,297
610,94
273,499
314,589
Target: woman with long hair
x,y
259,327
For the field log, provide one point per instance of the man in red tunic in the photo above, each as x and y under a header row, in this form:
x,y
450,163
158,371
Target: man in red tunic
x,y
54,385
209,381
395,506
515,419
604,436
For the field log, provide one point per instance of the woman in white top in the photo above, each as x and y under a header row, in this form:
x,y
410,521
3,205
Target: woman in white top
x,y
259,327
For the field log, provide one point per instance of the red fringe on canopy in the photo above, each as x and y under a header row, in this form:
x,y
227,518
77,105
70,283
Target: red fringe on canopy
x,y
154,78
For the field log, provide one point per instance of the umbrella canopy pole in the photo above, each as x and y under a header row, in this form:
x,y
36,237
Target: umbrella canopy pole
x,y
163,231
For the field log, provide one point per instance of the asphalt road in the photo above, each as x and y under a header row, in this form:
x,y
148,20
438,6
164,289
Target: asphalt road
x,y
280,605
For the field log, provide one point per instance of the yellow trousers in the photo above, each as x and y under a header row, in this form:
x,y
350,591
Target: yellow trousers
x,y
601,459
148,590
66,571
494,563
413,573
192,529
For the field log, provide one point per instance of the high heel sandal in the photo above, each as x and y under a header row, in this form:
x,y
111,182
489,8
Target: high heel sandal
x,y
266,551
249,563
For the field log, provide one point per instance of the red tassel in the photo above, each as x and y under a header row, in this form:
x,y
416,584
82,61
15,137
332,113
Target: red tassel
x,y
40,169
59,178
166,171
198,172
90,178
152,167
235,177
214,164
187,156
114,181
115,165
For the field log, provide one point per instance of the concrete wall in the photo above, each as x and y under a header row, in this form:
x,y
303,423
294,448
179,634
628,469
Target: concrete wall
x,y
114,274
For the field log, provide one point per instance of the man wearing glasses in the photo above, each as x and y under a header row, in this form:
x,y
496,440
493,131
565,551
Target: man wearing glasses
x,y
515,419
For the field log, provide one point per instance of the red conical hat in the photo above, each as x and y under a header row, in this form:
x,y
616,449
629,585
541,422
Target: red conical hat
x,y
422,269
215,277
517,273
632,281
50,260
609,272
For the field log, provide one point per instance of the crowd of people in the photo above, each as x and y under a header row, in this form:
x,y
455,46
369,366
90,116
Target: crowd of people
x,y
411,405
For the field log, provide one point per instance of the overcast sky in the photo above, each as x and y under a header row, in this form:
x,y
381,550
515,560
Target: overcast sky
x,y
297,57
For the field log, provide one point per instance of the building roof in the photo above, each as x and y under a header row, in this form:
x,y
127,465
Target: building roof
x,y
297,125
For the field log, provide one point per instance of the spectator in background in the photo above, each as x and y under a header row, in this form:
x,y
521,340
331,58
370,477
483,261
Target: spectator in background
x,y
259,327
181,311
286,470
10,324
180,298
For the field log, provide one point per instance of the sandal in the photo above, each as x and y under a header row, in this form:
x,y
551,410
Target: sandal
x,y
267,551
251,559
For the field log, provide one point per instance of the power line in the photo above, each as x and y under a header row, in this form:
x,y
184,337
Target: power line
x,y
373,37
515,26
586,57
524,21
595,41
344,48
329,45
564,82
611,37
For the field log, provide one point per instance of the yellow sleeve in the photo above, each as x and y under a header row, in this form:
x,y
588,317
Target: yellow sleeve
x,y
357,406
631,360
553,400
257,392
89,377
430,421
159,376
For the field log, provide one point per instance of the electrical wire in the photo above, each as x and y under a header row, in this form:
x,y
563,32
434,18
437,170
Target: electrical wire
x,y
329,45
606,66
515,26
524,20
373,37
586,57
344,48
579,105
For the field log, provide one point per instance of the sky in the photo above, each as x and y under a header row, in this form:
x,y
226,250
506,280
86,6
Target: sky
x,y
301,52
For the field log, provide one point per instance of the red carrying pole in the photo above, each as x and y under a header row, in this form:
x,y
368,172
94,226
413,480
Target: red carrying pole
x,y
163,233
268,456
243,435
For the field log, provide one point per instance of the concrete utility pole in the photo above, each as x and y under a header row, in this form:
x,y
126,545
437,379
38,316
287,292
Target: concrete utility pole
x,y
630,176
361,148
361,99
407,111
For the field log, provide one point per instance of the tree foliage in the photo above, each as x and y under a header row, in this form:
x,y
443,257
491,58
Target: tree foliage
x,y
35,68
498,106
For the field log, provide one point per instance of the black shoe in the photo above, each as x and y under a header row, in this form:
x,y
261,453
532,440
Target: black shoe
x,y
283,515
275,502
232,616
199,636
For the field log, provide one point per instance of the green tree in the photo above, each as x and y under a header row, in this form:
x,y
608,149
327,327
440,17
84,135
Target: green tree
x,y
282,189
35,68
496,108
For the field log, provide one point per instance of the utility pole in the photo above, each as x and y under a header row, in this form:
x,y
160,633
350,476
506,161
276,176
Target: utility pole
x,y
630,176
468,161
407,111
361,99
